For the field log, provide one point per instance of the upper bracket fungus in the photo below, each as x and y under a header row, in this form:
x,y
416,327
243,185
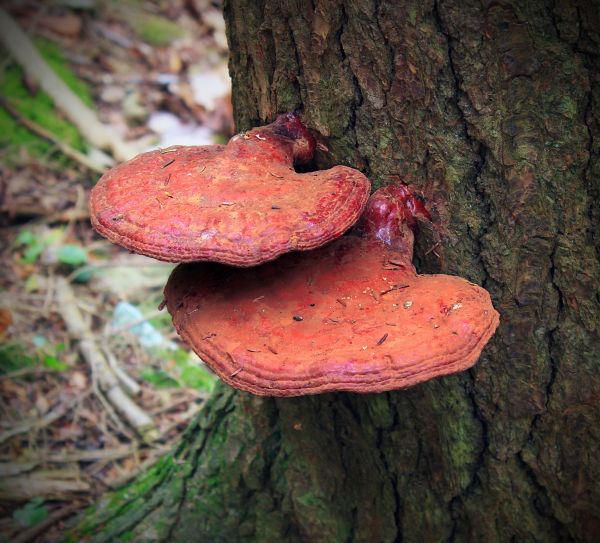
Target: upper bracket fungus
x,y
240,204
351,316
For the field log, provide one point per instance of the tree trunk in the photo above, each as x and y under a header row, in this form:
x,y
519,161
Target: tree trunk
x,y
491,109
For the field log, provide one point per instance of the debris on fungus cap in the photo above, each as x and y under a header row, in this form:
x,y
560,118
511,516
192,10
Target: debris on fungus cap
x,y
351,316
240,204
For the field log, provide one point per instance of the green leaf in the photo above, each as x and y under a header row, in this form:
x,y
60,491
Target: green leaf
x,y
35,243
25,237
31,513
158,378
197,377
33,252
83,275
73,255
50,361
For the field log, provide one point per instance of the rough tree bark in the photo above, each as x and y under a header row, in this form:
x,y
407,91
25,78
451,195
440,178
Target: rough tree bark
x,y
491,109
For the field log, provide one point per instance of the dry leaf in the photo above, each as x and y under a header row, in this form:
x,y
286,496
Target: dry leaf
x,y
5,321
78,380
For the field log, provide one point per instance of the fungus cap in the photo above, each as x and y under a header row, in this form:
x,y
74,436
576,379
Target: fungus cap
x,y
240,204
350,316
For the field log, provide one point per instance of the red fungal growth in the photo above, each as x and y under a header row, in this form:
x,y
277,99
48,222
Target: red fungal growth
x,y
391,217
350,316
240,204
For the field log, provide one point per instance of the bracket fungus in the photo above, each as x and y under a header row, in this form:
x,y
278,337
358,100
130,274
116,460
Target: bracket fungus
x,y
240,204
350,316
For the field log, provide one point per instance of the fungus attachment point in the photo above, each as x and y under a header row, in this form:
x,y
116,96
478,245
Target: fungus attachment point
x,y
240,204
373,327
391,216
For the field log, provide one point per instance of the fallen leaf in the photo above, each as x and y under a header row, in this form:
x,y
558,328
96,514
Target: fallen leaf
x,y
78,380
5,320
67,25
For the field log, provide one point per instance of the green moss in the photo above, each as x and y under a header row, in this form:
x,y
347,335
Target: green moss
x,y
460,437
378,406
412,15
38,107
124,497
55,58
156,30
13,356
309,500
568,107
127,536
123,502
288,98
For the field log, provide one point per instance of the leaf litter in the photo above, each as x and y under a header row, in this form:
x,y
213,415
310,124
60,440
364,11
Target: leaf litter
x,y
62,441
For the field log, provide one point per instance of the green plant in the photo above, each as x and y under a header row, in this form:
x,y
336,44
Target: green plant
x,y
38,107
35,242
13,356
185,371
31,513
72,255
50,358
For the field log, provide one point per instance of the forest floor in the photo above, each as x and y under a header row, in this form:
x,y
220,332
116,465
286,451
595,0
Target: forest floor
x,y
156,74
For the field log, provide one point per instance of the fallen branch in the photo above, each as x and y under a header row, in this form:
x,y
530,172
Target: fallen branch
x,y
22,49
127,382
112,414
174,404
52,484
108,382
38,211
65,148
9,469
67,457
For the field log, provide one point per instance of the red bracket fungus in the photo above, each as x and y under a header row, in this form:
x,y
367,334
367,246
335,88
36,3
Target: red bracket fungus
x,y
351,316
240,204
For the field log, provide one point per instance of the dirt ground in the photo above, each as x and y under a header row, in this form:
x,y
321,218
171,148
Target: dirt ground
x,y
155,74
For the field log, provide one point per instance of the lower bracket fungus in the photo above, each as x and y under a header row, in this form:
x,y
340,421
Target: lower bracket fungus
x,y
350,316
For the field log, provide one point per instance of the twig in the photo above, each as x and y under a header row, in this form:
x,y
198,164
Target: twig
x,y
130,474
48,483
202,396
31,533
90,351
22,49
46,420
50,286
114,264
68,215
132,387
189,414
65,148
9,469
24,372
112,414
114,453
